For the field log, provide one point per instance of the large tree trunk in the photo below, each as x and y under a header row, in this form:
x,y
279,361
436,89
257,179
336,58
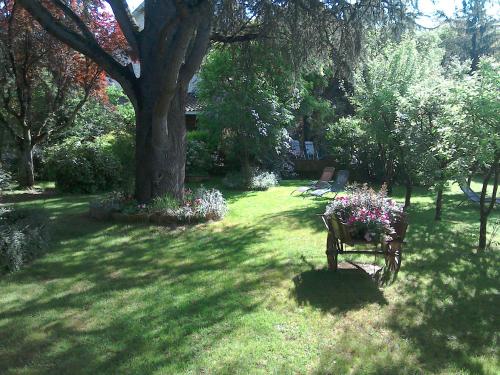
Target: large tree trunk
x,y
160,148
439,204
25,169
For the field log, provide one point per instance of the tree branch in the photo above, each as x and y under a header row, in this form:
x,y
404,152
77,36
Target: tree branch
x,y
197,52
127,23
76,19
85,45
216,37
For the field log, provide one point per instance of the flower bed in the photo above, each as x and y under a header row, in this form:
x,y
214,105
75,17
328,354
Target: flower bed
x,y
199,206
367,215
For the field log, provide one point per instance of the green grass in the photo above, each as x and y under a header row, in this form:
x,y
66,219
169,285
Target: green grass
x,y
249,295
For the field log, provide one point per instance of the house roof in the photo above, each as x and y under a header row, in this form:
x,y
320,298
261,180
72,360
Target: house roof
x,y
193,106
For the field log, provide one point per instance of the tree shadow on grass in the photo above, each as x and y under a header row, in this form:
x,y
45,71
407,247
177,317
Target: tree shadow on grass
x,y
449,306
133,299
336,292
301,217
33,195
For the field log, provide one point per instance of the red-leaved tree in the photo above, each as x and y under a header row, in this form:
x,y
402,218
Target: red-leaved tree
x,y
44,83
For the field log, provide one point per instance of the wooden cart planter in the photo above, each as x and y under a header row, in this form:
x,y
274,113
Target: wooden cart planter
x,y
339,237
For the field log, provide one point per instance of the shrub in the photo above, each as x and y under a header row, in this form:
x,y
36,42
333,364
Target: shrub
x,y
263,180
23,237
122,146
163,204
84,167
210,204
202,205
199,159
234,180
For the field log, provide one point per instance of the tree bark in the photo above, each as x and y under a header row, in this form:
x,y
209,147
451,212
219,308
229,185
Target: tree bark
x,y
484,208
25,169
160,148
482,231
409,190
439,204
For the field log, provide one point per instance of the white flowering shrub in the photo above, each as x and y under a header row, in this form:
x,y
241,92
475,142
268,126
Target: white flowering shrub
x,y
209,204
263,180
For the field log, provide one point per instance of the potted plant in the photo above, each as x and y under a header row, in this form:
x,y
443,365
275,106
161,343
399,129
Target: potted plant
x,y
366,215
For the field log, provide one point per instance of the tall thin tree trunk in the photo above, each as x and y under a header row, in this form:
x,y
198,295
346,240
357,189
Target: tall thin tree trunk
x,y
485,207
482,231
409,190
26,173
439,204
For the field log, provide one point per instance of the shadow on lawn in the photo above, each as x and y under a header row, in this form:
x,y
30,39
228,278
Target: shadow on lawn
x,y
336,292
152,300
300,217
445,315
449,308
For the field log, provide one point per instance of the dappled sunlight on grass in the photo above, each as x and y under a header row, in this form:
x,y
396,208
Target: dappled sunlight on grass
x,y
249,294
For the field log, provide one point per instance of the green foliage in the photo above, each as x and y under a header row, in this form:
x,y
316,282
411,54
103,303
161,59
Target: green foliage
x,y
248,97
397,92
84,167
162,204
122,105
472,118
122,146
99,117
23,237
199,154
234,180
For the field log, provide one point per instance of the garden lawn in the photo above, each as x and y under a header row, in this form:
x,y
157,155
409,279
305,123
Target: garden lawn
x,y
249,295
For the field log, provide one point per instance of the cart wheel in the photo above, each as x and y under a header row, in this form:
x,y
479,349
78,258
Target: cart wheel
x,y
331,252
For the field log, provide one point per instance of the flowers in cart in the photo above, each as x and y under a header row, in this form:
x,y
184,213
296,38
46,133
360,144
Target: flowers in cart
x,y
368,215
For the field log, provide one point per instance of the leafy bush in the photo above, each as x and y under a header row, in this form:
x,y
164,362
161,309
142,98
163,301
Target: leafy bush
x,y
263,180
202,205
122,146
258,181
163,204
84,167
23,237
210,204
234,180
199,159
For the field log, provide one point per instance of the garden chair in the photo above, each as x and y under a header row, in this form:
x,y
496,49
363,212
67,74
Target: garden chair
x,y
473,196
322,183
337,187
